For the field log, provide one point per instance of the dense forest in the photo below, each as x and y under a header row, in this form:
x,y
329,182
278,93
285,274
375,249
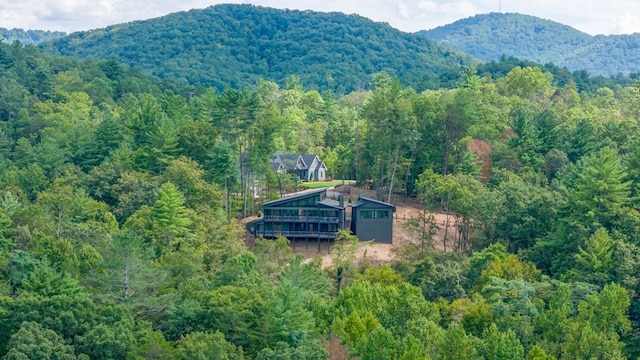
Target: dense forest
x,y
28,37
121,195
235,45
491,36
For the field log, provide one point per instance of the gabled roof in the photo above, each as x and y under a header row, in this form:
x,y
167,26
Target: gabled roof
x,y
363,200
277,165
308,159
293,162
297,161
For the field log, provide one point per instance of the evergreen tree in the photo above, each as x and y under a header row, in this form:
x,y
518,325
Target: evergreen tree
x,y
526,142
160,148
107,137
207,346
170,220
601,191
596,256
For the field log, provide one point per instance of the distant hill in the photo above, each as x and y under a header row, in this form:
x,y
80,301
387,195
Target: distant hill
x,y
234,45
490,36
29,37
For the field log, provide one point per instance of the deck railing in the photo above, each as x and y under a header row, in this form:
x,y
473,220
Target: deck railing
x,y
323,219
299,234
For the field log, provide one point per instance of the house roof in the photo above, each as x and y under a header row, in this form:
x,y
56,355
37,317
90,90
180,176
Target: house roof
x,y
297,161
293,162
276,163
331,203
363,200
308,159
298,195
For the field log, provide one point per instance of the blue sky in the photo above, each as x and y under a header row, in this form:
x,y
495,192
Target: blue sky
x,y
591,16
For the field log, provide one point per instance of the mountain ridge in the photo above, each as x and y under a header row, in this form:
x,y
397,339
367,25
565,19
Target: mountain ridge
x,y
29,37
490,36
235,45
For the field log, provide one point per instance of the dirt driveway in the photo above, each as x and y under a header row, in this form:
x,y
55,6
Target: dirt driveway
x,y
379,253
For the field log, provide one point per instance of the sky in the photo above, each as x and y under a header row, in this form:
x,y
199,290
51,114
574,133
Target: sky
x,y
590,16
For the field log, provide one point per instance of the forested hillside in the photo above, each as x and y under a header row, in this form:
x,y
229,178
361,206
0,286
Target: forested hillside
x,y
490,36
120,201
234,45
28,37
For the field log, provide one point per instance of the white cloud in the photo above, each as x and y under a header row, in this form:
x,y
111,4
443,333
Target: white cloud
x,y
591,16
625,24
403,10
428,6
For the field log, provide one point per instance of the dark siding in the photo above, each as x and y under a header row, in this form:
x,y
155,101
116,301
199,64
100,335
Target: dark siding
x,y
372,221
301,216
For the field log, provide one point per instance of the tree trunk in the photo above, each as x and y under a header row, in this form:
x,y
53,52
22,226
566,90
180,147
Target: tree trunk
x,y
125,283
393,173
446,230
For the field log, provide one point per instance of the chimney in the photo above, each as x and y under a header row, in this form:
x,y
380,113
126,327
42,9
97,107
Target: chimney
x,y
341,201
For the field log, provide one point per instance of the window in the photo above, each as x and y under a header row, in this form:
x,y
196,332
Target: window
x,y
374,214
328,213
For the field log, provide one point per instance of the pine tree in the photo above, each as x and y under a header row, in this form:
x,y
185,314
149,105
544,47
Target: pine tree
x,y
598,252
107,137
170,220
600,192
161,147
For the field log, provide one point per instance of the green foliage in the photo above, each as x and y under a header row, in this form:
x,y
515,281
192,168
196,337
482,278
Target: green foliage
x,y
152,345
391,133
272,255
440,278
458,345
392,307
170,221
321,48
501,346
536,353
32,341
600,193
29,37
311,350
285,318
235,311
495,35
529,83
47,282
189,177
203,346
123,202
5,229
306,277
344,254
597,255
510,268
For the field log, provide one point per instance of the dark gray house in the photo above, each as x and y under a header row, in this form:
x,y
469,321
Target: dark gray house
x,y
307,167
317,215
372,220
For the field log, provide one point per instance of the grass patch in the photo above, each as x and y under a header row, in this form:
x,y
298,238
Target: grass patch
x,y
325,184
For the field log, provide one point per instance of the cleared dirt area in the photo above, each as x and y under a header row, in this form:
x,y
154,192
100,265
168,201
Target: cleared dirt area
x,y
377,254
